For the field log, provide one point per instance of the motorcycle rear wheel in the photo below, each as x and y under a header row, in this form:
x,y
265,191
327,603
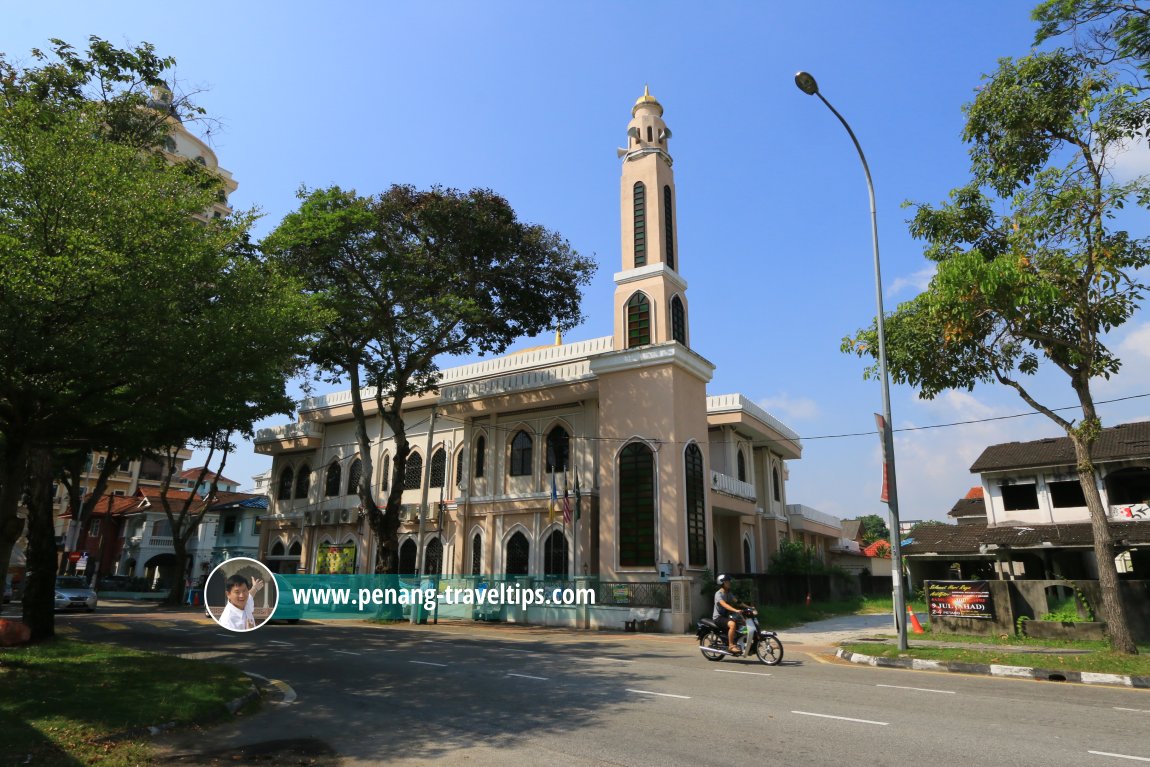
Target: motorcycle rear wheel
x,y
770,651
712,640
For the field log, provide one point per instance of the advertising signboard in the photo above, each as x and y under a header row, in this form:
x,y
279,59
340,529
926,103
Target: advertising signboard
x,y
960,599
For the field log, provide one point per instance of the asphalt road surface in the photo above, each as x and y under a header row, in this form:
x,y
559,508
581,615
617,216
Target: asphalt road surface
x,y
498,695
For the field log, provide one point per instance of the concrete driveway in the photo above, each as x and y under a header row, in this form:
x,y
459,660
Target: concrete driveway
x,y
841,629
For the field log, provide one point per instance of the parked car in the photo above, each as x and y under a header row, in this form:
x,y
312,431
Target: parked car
x,y
73,593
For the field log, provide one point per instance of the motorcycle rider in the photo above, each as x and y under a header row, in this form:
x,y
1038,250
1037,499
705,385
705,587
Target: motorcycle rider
x,y
727,609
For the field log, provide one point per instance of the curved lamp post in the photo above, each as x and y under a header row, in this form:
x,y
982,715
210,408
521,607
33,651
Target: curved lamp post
x,y
809,86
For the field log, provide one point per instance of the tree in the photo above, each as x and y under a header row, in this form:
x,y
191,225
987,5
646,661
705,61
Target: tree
x,y
1104,32
409,276
1031,270
918,526
163,326
873,528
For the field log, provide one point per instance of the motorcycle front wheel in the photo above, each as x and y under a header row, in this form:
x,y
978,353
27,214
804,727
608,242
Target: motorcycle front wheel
x,y
712,640
770,651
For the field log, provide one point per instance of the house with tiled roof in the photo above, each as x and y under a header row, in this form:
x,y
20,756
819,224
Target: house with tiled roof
x,y
1029,519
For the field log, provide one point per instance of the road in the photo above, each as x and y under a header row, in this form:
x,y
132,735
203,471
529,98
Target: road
x,y
497,695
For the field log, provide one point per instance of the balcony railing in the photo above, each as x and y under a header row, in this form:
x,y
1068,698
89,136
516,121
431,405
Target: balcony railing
x,y
724,483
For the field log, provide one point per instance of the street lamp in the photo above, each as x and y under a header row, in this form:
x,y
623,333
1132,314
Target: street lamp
x,y
809,86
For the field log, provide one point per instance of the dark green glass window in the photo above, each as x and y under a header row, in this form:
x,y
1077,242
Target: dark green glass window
x,y
678,321
670,227
407,557
636,506
476,554
558,449
303,482
742,467
413,472
286,480
555,556
354,472
696,507
638,321
521,455
640,224
334,475
438,468
518,555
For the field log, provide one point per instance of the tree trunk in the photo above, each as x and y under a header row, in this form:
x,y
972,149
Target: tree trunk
x,y
40,583
175,597
1112,606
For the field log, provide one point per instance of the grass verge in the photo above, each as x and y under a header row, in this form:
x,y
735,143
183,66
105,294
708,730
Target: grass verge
x,y
1101,660
778,617
68,703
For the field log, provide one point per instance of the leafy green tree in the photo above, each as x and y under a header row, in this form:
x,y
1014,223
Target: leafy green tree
x,y
408,276
126,318
1031,270
794,558
873,528
1104,32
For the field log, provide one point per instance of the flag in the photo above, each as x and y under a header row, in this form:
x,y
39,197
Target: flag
x,y
578,498
566,503
554,501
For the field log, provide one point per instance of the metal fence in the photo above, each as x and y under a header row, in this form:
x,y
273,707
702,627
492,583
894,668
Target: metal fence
x,y
621,594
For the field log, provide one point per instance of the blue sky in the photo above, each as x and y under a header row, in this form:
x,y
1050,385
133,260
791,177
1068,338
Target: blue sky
x,y
532,98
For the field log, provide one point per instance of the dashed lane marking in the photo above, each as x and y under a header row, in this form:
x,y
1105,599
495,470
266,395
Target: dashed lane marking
x,y
347,652
842,718
660,694
1120,756
733,671
428,663
1135,710
916,689
528,676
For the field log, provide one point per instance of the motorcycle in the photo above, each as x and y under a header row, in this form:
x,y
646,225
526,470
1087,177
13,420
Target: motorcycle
x,y
749,638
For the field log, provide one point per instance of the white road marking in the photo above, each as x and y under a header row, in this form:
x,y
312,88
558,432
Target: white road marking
x,y
528,676
428,663
276,641
843,718
347,652
732,671
516,649
1120,756
916,689
1135,710
660,694
172,628
598,658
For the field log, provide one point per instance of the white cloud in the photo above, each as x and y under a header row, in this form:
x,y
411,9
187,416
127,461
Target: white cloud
x,y
919,280
787,407
1131,162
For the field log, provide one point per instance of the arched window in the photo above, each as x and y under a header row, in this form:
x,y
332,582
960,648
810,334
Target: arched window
x,y
558,450
433,557
638,321
742,467
669,227
334,474
277,549
303,481
476,554
286,479
407,557
555,556
518,555
295,550
459,469
747,556
354,474
640,200
775,484
521,454
438,468
696,507
480,455
636,506
678,321
413,471
385,472
650,135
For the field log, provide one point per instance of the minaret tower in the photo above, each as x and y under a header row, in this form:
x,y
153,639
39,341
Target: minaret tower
x,y
650,296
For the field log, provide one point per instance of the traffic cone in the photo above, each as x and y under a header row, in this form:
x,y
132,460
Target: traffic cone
x,y
914,621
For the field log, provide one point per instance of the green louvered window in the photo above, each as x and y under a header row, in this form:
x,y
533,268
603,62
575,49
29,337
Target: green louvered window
x,y
678,321
638,321
696,507
636,506
670,227
640,224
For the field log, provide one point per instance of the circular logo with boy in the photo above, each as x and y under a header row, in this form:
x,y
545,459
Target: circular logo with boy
x,y
241,594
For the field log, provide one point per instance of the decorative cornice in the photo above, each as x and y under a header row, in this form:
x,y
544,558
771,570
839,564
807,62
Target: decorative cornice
x,y
669,353
658,269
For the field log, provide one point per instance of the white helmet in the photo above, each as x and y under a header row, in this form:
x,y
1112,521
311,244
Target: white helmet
x,y
722,579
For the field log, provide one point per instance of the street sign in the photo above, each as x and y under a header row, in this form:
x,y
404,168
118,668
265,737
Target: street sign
x,y
74,556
